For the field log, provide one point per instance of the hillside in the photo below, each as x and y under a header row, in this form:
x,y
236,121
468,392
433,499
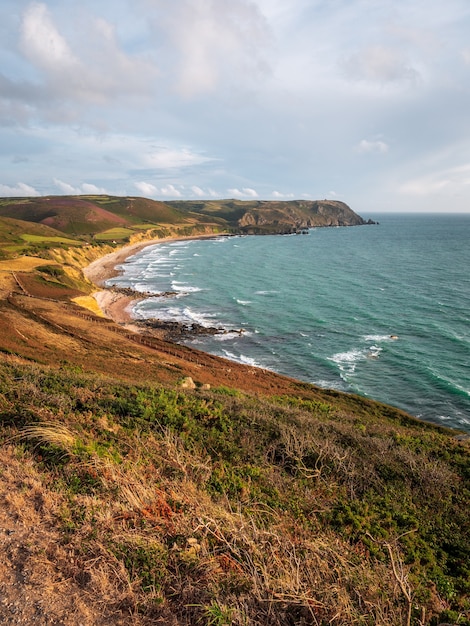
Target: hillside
x,y
113,219
261,217
248,498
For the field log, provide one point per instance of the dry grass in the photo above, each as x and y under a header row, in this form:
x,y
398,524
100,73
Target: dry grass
x,y
89,303
22,264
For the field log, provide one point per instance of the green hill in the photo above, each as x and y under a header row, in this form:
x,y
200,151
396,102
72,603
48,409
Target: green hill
x,y
86,215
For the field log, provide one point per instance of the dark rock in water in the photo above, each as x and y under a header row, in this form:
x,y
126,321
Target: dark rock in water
x,y
178,331
128,291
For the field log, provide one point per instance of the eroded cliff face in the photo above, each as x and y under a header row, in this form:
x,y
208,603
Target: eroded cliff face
x,y
298,214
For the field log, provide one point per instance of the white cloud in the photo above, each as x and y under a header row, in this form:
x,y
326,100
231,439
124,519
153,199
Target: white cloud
x,y
246,192
197,191
149,190
19,190
88,66
216,42
42,43
168,158
202,193
279,195
89,188
376,147
83,189
146,189
170,191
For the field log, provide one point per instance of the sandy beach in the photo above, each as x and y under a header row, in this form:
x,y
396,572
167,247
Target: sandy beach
x,y
115,304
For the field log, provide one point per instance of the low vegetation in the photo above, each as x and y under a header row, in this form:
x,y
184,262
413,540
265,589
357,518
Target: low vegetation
x,y
217,507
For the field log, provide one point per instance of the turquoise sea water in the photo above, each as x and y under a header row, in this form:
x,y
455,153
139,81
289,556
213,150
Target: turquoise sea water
x,y
323,307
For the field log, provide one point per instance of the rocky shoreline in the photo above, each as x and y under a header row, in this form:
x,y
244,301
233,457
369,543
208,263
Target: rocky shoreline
x,y
117,302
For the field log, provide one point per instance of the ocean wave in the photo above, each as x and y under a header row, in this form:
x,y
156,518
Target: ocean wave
x,y
229,335
268,292
184,315
241,358
347,361
243,302
376,338
145,288
184,287
328,384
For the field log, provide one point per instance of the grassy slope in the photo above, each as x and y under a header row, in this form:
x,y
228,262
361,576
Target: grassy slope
x,y
259,501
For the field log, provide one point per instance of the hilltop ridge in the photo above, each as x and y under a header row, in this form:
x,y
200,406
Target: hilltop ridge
x,y
108,218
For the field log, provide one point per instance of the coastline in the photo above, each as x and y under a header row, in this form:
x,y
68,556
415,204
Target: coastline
x,y
115,304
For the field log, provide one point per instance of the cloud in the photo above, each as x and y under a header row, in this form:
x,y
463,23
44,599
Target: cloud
x,y
149,190
170,191
89,188
379,64
19,190
214,42
42,43
375,147
201,193
246,192
279,195
83,189
146,189
169,158
197,191
86,67
454,179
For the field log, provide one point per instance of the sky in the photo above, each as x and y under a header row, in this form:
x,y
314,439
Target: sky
x,y
363,101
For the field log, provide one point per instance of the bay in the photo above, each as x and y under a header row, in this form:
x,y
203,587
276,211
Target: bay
x,y
382,311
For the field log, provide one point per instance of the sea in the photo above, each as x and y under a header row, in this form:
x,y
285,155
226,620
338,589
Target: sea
x,y
379,310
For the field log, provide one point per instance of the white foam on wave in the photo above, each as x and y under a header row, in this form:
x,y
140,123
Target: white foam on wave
x,y
328,384
266,293
347,361
179,244
229,335
184,315
377,338
144,288
243,302
241,358
184,287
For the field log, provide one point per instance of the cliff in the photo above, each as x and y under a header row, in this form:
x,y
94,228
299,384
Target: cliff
x,y
273,217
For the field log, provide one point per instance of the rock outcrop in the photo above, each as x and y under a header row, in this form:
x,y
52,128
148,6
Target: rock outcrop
x,y
299,214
